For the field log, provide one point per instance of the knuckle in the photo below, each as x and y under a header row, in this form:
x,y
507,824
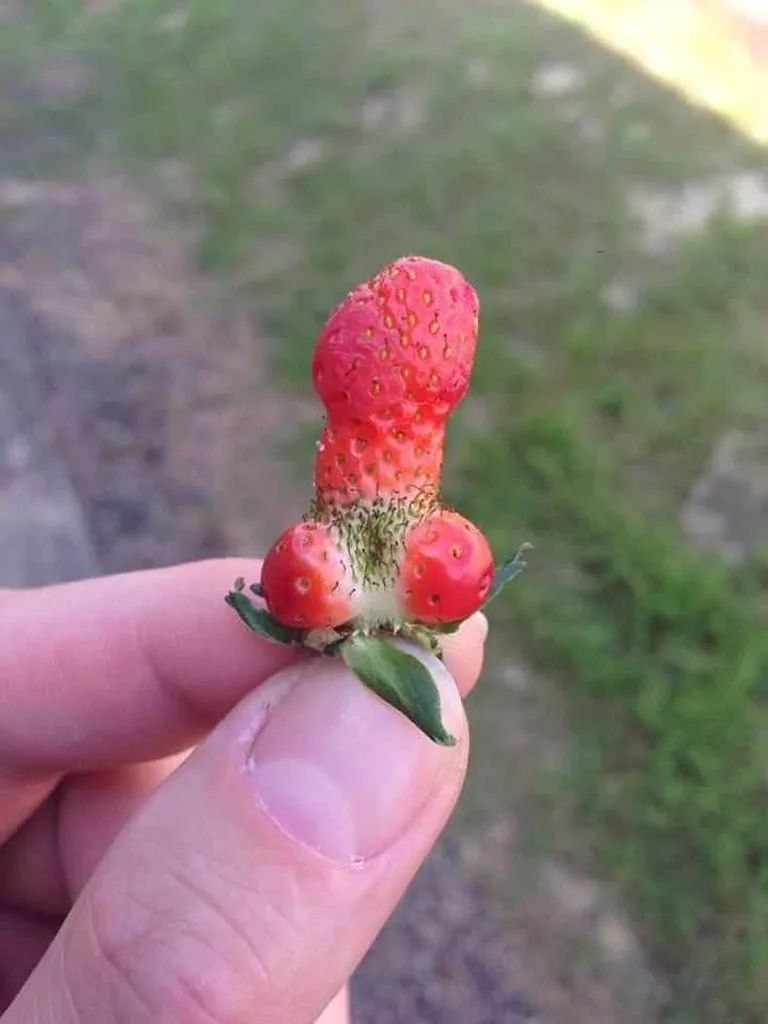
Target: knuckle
x,y
179,958
202,987
116,973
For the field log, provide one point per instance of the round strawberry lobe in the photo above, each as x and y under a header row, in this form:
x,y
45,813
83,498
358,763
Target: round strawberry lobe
x,y
446,569
305,579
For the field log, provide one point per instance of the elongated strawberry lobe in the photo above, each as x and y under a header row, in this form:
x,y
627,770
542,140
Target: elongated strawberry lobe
x,y
363,461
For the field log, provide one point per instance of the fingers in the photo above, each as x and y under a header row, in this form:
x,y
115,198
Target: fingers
x,y
251,884
20,793
463,651
134,667
50,858
48,861
126,668
23,940
95,808
30,871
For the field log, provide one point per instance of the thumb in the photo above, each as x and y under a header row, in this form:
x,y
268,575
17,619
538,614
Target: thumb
x,y
251,884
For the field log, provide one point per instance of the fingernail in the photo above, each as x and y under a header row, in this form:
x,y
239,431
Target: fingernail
x,y
341,771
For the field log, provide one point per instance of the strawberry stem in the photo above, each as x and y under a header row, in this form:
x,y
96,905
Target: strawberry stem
x,y
400,679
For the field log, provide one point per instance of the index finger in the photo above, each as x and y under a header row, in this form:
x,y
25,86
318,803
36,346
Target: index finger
x,y
125,668
138,666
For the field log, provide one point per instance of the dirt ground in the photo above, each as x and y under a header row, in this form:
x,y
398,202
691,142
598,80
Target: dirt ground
x,y
150,404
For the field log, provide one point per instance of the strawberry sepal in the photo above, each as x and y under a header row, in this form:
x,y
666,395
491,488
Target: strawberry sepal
x,y
259,619
400,679
507,571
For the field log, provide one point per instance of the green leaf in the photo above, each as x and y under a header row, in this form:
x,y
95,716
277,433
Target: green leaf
x,y
401,680
260,621
507,571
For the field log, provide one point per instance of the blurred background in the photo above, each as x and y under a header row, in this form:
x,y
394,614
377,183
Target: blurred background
x,y
185,191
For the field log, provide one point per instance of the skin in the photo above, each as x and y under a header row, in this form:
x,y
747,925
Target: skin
x,y
139,882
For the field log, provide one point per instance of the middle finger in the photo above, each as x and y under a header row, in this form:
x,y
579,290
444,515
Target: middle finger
x,y
46,863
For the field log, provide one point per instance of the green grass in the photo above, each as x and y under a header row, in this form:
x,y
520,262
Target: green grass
x,y
421,132
664,659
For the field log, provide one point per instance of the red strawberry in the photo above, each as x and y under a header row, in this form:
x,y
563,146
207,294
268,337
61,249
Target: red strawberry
x,y
358,460
305,580
380,557
446,569
391,363
400,343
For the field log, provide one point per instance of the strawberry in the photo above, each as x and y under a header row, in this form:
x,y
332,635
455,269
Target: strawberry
x,y
400,343
379,555
305,579
446,569
358,460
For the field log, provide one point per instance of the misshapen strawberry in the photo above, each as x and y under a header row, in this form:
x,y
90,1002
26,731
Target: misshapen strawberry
x,y
379,556
391,363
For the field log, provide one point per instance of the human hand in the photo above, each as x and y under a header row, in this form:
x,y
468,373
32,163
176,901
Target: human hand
x,y
241,883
